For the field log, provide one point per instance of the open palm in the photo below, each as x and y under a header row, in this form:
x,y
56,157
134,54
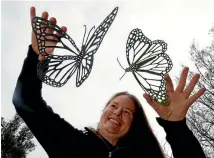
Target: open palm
x,y
179,99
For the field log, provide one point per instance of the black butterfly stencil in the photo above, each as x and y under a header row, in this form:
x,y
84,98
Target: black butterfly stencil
x,y
149,64
56,70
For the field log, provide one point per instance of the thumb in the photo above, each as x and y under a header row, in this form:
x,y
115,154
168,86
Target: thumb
x,y
148,98
155,105
41,57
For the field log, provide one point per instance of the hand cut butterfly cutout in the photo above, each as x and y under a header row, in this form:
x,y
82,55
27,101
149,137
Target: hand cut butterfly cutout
x,y
56,70
149,64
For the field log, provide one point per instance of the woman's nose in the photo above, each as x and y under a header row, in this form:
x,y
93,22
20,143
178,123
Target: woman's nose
x,y
118,111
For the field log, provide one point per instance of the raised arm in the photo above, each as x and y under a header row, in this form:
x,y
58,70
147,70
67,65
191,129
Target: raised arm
x,y
173,117
52,132
182,141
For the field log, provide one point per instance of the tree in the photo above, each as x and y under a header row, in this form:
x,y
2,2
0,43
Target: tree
x,y
200,117
16,138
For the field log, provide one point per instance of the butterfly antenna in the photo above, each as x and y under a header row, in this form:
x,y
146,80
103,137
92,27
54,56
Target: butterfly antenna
x,y
89,33
84,35
123,75
120,64
122,68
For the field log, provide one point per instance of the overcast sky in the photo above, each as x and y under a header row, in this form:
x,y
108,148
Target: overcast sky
x,y
176,22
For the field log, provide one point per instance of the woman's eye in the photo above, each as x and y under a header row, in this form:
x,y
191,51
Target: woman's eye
x,y
127,112
113,105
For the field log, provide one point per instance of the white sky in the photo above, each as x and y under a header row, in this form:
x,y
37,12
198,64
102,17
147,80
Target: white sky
x,y
176,22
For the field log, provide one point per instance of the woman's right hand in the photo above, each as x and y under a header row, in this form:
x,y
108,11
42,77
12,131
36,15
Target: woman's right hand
x,y
33,38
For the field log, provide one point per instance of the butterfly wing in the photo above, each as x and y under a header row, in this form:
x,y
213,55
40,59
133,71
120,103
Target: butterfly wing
x,y
96,39
50,36
151,77
149,64
56,70
91,47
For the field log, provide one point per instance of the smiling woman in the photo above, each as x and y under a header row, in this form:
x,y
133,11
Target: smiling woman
x,y
123,131
121,122
117,118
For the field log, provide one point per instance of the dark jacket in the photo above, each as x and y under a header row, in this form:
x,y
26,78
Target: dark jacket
x,y
60,139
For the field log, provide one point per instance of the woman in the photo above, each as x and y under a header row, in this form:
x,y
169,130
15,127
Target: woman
x,y
123,130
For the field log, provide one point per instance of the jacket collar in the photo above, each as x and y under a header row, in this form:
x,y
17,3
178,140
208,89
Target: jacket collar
x,y
106,142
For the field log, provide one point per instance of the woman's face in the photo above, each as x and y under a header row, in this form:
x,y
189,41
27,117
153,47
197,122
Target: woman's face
x,y
118,116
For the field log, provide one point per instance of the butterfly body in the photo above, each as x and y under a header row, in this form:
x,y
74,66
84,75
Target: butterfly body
x,y
80,57
131,68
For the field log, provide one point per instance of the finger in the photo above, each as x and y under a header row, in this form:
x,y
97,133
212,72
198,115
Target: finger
x,y
53,21
169,84
148,98
194,97
182,81
32,12
64,29
191,85
45,15
152,103
163,111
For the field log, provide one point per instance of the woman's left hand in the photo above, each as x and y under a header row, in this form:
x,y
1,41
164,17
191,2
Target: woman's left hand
x,y
179,99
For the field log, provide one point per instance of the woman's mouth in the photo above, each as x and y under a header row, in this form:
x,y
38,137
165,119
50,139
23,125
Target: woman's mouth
x,y
114,121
